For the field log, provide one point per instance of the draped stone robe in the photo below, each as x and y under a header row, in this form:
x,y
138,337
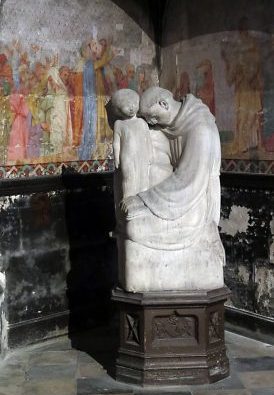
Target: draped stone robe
x,y
178,234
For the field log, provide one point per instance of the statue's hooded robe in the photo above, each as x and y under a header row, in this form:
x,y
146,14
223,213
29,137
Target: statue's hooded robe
x,y
184,209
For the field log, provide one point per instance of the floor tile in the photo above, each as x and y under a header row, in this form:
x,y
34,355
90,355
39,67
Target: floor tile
x,y
159,392
100,387
262,379
11,389
54,368
230,383
222,392
51,372
90,370
240,346
253,364
86,358
50,387
54,358
8,372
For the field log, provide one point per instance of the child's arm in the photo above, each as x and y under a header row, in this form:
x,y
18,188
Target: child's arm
x,y
116,143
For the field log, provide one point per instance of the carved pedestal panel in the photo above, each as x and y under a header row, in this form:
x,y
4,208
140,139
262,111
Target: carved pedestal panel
x,y
171,338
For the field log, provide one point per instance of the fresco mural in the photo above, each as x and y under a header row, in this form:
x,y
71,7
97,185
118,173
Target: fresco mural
x,y
53,90
232,72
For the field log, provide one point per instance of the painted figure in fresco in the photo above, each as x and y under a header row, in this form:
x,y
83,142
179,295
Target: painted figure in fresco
x,y
130,76
19,134
34,119
104,133
268,96
205,84
14,52
6,85
42,104
60,120
97,134
243,70
109,80
88,138
121,80
5,111
184,86
6,81
24,76
142,82
30,79
61,112
76,89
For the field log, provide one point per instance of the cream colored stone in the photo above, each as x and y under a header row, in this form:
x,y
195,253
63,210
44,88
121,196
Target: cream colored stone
x,y
167,235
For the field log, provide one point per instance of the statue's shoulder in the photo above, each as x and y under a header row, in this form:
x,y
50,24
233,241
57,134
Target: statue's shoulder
x,y
117,122
141,121
117,126
190,98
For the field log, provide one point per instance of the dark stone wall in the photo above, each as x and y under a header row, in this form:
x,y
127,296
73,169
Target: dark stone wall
x,y
58,263
56,257
247,230
185,19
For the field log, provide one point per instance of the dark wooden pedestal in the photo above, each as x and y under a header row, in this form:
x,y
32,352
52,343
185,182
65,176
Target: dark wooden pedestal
x,y
171,338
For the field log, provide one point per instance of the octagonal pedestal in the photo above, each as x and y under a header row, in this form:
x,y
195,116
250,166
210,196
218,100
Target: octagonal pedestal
x,y
171,338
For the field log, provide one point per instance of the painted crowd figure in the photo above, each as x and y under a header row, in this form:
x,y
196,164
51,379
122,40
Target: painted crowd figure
x,y
51,112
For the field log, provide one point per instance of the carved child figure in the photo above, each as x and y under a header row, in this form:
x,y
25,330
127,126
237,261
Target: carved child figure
x,y
131,144
141,155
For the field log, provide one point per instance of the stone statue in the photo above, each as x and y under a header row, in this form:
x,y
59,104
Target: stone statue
x,y
130,140
168,228
141,156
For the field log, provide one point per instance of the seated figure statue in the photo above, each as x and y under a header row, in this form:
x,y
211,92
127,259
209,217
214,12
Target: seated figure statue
x,y
169,239
141,157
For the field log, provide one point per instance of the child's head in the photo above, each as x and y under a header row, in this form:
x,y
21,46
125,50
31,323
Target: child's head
x,y
125,103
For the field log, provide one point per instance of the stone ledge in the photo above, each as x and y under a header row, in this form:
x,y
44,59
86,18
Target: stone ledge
x,y
153,298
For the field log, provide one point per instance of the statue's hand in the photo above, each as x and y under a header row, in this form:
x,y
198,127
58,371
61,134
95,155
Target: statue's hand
x,y
132,207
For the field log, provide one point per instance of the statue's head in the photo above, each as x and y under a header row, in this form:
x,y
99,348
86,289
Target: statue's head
x,y
125,103
157,106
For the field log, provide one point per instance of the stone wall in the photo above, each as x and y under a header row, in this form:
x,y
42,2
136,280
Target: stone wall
x,y
57,261
246,229
247,232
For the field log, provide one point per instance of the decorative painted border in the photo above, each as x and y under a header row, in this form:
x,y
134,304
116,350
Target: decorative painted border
x,y
263,167
49,169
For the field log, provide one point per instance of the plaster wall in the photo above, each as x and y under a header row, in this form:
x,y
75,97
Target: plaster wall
x,y
225,57
60,61
221,51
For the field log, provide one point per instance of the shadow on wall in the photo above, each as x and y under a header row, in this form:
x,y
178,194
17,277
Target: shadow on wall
x,y
184,19
138,10
93,270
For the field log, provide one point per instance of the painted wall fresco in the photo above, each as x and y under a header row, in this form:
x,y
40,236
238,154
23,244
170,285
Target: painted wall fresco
x,y
232,72
59,64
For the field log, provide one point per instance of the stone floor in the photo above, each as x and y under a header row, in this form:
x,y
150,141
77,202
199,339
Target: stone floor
x,y
83,365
